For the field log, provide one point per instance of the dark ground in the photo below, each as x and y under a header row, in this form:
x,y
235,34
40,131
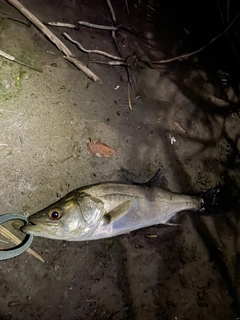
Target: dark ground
x,y
46,119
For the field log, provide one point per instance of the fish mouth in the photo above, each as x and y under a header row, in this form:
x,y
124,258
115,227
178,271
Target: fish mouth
x,y
39,228
30,228
20,225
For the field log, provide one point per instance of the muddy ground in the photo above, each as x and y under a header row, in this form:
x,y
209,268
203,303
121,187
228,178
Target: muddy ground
x,y
46,118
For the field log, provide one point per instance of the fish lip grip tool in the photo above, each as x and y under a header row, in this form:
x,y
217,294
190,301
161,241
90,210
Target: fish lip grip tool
x,y
23,246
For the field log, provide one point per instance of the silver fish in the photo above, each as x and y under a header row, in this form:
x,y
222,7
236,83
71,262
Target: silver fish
x,y
108,209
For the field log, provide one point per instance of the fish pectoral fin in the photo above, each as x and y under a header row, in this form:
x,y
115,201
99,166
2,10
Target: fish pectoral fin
x,y
118,212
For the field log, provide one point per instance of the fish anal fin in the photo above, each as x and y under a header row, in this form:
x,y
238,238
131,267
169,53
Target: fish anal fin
x,y
118,212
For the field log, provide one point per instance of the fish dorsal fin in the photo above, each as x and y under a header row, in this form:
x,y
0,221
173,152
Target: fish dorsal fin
x,y
117,212
158,180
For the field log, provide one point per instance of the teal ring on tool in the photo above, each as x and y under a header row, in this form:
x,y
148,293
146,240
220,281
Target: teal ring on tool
x,y
23,246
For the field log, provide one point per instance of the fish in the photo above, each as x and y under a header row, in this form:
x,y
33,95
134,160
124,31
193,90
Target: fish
x,y
110,209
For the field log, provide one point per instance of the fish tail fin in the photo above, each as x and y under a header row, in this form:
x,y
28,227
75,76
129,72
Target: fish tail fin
x,y
210,200
218,199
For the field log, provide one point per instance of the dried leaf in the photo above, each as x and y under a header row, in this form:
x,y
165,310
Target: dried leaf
x,y
100,149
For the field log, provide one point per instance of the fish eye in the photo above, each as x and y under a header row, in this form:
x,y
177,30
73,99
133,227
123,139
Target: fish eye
x,y
55,214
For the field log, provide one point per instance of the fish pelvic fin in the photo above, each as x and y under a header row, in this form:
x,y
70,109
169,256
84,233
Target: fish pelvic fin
x,y
117,212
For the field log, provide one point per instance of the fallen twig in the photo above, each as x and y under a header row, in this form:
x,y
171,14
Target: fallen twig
x,y
11,58
111,63
62,25
179,126
129,96
187,55
114,21
60,45
81,66
151,236
119,51
81,23
90,25
5,16
10,236
223,23
78,44
111,10
126,6
97,26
